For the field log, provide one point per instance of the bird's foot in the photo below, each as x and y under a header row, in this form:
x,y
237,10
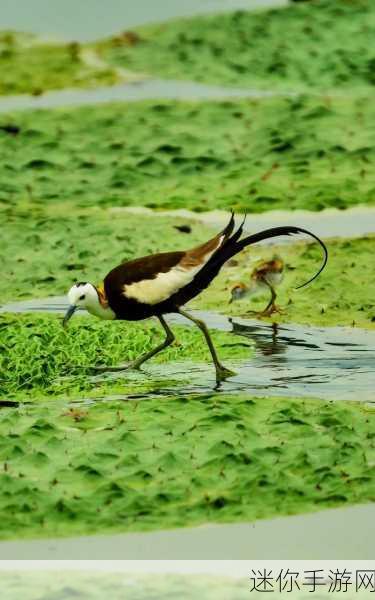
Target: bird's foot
x,y
267,312
273,309
222,373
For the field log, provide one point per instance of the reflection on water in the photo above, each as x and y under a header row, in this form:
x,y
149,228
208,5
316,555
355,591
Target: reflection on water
x,y
332,363
266,339
290,360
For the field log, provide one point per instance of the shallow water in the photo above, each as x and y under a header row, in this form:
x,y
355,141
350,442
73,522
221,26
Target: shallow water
x,y
73,20
333,363
130,92
331,222
342,532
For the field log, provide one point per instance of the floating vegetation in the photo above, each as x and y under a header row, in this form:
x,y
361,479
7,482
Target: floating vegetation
x,y
31,66
328,45
249,155
159,463
36,352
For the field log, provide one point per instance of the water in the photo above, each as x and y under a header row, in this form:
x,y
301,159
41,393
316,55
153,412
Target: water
x,y
86,21
130,92
344,533
332,363
330,222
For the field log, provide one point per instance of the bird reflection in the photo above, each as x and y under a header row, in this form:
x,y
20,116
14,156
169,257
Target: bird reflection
x,y
266,337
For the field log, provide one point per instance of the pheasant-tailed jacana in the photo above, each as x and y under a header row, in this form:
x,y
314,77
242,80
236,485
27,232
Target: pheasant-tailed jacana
x,y
269,274
159,284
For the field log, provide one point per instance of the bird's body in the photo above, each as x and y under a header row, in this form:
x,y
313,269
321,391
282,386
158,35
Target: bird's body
x,y
269,272
266,276
159,284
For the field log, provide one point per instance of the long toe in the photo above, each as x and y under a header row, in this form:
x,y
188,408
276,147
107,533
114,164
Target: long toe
x,y
223,373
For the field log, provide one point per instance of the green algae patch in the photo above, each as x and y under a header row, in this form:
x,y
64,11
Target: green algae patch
x,y
121,466
44,253
320,45
60,584
40,358
249,155
32,66
342,295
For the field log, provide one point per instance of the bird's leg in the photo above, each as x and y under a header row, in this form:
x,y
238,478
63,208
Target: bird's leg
x,y
221,371
167,342
271,306
139,361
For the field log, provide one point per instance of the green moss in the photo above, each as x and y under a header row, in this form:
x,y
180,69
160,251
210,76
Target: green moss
x,y
342,295
44,253
328,46
125,466
323,44
36,352
29,66
253,155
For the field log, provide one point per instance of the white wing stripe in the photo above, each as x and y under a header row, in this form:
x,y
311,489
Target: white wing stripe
x,y
164,285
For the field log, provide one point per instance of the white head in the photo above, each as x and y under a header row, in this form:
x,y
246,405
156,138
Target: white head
x,y
85,295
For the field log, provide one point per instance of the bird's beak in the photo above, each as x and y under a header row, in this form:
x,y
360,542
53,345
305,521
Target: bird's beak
x,y
69,313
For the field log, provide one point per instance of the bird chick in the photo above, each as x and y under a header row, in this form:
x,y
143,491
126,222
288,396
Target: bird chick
x,y
268,275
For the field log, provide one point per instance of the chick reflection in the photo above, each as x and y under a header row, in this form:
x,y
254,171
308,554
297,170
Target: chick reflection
x,y
265,337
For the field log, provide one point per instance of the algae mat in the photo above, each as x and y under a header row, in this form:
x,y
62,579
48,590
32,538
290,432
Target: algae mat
x,y
328,46
29,65
130,466
248,155
333,39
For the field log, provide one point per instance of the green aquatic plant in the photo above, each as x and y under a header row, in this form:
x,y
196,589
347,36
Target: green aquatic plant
x,y
32,66
45,252
321,45
250,155
117,465
36,352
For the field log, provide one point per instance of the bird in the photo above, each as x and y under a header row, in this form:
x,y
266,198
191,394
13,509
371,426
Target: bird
x,y
160,284
267,275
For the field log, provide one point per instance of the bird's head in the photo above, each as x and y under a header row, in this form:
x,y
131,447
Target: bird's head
x,y
81,295
238,291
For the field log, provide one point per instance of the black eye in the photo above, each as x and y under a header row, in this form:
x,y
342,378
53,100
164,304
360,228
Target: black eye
x,y
82,297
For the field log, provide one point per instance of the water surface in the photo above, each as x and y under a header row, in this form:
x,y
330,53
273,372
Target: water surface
x,y
331,363
85,21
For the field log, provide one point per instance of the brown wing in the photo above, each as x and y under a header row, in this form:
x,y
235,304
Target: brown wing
x,y
153,279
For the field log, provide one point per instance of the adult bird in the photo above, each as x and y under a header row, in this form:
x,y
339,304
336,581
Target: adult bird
x,y
267,275
156,285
